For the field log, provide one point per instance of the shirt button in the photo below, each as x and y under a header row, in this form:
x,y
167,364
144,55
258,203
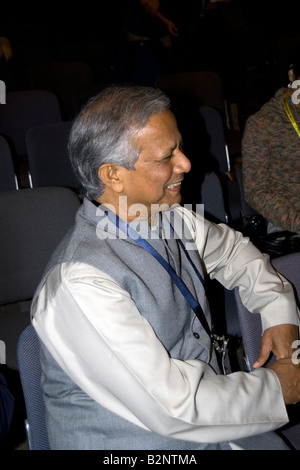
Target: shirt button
x,y
197,336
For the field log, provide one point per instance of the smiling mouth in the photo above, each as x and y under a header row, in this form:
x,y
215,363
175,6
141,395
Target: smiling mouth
x,y
172,186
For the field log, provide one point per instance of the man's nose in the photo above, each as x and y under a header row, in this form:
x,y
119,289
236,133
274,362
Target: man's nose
x,y
182,163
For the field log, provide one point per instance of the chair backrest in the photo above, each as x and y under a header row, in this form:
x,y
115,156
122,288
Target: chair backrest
x,y
80,96
205,145
62,78
25,109
213,199
48,158
214,154
250,323
33,221
246,209
215,130
8,177
28,352
203,87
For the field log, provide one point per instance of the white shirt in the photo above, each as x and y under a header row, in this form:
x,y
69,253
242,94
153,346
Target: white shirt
x,y
94,331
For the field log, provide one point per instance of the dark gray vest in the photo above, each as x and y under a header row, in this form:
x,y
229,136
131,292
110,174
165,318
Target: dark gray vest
x,y
75,421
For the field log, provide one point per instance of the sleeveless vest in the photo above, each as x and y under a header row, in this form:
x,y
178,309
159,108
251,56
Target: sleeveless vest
x,y
74,420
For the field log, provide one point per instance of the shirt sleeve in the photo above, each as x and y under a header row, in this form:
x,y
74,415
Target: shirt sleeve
x,y
94,331
234,261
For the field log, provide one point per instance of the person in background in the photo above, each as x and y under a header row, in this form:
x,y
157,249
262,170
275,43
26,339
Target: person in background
x,y
271,158
129,354
148,22
148,33
5,49
153,8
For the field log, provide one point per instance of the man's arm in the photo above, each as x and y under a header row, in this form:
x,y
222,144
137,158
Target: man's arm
x,y
152,7
235,262
83,314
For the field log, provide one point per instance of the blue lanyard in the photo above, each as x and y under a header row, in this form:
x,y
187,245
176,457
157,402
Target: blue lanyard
x,y
194,304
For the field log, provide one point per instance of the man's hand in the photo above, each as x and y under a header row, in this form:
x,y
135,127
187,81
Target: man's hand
x,y
289,377
170,26
278,340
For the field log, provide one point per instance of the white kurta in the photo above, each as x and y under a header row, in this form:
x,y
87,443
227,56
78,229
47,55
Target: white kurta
x,y
139,380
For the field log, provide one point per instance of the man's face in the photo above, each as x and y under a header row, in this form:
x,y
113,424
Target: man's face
x,y
161,165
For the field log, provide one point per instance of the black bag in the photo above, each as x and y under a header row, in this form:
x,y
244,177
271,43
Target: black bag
x,y
274,244
280,243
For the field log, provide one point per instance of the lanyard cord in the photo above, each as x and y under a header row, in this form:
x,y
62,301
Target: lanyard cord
x,y
177,280
290,114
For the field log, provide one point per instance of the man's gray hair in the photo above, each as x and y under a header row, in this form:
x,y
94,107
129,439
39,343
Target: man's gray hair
x,y
104,131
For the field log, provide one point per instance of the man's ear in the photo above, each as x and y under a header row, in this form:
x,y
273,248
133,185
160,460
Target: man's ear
x,y
111,176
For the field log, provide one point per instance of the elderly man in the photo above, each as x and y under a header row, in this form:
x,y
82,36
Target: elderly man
x,y
128,349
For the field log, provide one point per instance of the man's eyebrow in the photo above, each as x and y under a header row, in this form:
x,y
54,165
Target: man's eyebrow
x,y
175,146
180,143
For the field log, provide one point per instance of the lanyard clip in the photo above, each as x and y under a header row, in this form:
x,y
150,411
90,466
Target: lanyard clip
x,y
219,343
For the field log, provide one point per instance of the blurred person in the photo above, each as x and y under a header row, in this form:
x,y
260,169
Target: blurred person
x,y
148,33
145,21
5,49
271,158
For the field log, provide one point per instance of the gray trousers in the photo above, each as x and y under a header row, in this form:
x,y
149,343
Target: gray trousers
x,y
266,441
